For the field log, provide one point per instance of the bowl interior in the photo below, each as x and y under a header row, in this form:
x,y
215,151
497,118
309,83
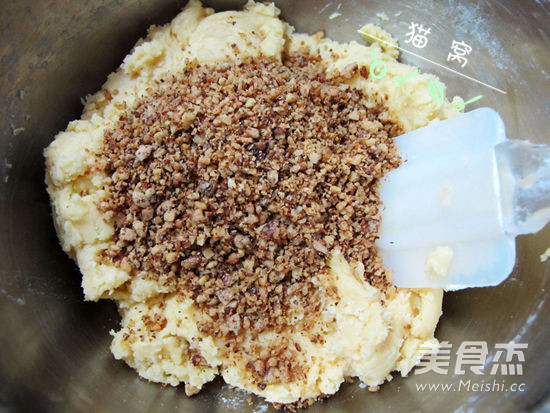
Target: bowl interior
x,y
56,346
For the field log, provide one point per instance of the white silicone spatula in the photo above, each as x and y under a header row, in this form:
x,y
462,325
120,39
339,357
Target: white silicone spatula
x,y
452,210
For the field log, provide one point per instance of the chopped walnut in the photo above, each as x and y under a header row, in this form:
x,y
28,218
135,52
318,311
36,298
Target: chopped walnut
x,y
233,182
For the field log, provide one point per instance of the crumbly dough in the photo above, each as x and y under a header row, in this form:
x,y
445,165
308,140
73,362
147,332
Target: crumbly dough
x,y
364,336
438,261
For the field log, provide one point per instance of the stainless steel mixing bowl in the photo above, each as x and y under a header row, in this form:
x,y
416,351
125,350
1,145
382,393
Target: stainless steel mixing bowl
x,y
54,347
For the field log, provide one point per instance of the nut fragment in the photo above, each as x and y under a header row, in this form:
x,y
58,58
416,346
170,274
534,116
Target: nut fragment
x,y
143,152
171,257
238,187
187,120
272,177
127,234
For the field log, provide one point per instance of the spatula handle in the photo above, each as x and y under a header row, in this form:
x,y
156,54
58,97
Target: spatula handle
x,y
524,172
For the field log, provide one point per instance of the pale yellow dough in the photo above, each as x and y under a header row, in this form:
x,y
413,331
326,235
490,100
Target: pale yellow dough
x,y
364,337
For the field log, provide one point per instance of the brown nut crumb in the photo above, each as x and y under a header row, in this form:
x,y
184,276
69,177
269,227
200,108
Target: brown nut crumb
x,y
237,205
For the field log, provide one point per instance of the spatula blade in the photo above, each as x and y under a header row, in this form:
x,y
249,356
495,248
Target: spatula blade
x,y
446,194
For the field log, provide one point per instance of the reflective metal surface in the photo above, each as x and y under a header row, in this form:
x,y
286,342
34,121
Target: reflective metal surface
x,y
54,348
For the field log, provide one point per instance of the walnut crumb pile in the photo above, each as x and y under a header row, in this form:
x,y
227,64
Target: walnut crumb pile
x,y
233,183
